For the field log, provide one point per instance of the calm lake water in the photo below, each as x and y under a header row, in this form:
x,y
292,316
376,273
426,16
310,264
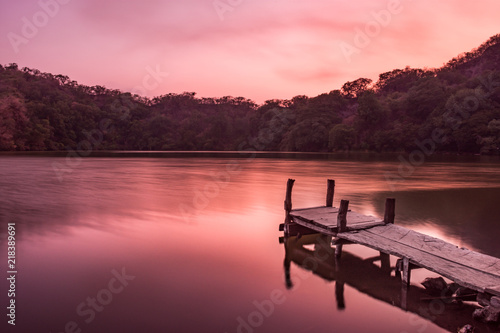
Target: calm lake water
x,y
190,243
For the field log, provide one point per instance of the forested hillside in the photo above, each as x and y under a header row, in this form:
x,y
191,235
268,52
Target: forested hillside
x,y
456,106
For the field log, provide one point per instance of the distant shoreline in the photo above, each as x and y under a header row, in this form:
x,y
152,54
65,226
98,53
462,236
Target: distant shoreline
x,y
334,156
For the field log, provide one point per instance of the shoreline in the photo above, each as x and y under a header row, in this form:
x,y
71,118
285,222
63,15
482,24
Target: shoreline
x,y
251,154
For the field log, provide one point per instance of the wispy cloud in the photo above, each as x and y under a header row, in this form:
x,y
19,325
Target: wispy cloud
x,y
262,49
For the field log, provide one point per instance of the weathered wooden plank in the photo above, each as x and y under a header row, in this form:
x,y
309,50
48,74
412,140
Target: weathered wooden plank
x,y
440,248
327,216
354,218
463,275
362,225
316,213
319,228
334,210
433,245
419,257
387,245
332,229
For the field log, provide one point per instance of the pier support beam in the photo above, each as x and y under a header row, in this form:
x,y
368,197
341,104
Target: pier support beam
x,y
406,272
288,199
329,192
405,283
341,226
390,210
342,216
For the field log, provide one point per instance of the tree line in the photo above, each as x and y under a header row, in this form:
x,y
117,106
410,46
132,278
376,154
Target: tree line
x,y
46,112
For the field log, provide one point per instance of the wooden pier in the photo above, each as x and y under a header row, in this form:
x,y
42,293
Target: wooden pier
x,y
467,268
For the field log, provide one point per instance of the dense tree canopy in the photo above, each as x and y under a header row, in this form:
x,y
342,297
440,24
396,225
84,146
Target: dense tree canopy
x,y
40,111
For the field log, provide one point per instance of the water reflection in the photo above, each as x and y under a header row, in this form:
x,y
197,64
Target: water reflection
x,y
110,213
374,280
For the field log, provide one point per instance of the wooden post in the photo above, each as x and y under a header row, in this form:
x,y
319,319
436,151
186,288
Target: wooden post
x,y
329,192
406,272
404,297
342,216
288,199
341,227
390,209
405,283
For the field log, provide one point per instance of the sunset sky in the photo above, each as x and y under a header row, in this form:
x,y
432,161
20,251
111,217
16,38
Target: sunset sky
x,y
258,49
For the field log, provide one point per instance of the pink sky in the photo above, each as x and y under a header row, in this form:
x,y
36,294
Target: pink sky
x,y
258,49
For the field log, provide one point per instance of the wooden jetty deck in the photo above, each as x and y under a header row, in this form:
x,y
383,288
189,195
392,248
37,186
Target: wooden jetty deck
x,y
469,269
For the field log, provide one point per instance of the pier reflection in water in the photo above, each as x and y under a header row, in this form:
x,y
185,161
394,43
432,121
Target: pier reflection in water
x,y
375,277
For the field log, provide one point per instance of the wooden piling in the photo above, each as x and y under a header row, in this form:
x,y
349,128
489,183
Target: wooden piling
x,y
341,226
329,192
405,283
406,272
342,216
390,210
288,199
404,297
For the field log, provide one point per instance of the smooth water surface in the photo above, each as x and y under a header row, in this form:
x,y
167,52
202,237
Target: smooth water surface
x,y
191,244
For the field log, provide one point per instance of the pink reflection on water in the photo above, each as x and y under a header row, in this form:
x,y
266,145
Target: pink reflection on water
x,y
204,273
